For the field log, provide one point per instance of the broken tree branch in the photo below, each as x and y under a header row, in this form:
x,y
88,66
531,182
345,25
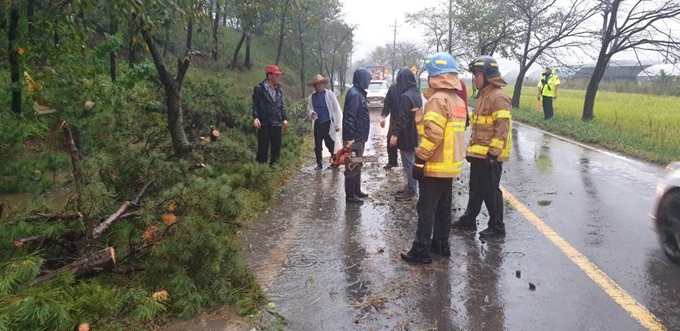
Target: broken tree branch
x,y
77,174
116,216
121,213
104,259
21,242
53,217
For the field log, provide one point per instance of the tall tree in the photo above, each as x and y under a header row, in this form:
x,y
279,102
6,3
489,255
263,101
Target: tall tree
x,y
637,26
434,23
282,31
484,27
547,26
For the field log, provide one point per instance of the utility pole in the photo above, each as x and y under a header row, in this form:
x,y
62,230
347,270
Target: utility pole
x,y
394,46
450,24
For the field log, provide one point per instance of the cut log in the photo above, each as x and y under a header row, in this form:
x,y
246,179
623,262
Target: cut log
x,y
23,241
97,261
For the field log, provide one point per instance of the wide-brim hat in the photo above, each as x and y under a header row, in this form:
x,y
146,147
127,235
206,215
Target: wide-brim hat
x,y
318,79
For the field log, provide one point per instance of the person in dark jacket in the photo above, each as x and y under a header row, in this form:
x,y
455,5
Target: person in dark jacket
x,y
391,100
269,113
404,132
355,127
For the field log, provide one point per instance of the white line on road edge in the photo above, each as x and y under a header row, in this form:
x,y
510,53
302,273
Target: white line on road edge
x,y
616,292
592,148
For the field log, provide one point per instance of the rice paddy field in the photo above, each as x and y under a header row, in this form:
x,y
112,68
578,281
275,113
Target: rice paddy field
x,y
640,125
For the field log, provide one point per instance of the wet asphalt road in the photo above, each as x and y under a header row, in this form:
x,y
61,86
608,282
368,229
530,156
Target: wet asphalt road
x,y
329,266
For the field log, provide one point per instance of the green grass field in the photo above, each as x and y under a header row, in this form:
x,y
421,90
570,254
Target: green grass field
x,y
639,125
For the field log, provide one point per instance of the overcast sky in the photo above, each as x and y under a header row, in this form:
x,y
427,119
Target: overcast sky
x,y
374,21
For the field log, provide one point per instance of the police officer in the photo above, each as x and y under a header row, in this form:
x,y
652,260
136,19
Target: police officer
x,y
490,145
547,89
439,159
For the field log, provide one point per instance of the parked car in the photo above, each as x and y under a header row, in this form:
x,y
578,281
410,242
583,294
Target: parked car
x,y
666,212
377,90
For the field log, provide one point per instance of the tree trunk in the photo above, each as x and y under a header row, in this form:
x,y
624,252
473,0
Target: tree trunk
x,y
173,99
591,91
190,33
248,63
30,14
282,31
516,94
302,61
238,50
13,35
216,25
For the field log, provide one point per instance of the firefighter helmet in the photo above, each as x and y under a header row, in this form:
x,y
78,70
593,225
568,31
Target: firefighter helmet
x,y
440,63
485,64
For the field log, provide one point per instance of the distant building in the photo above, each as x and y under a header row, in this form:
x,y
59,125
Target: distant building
x,y
616,70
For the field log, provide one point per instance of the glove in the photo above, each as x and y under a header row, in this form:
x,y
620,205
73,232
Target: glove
x,y
469,158
491,158
257,124
418,171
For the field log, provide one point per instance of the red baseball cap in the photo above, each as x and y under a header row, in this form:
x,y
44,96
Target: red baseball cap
x,y
272,69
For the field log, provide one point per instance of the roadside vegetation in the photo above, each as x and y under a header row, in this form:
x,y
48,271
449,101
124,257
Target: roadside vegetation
x,y
639,125
115,104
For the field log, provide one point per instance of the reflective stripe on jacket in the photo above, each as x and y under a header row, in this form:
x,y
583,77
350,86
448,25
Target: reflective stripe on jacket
x,y
491,123
442,141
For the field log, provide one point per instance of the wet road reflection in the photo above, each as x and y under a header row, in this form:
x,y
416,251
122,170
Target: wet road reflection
x,y
332,267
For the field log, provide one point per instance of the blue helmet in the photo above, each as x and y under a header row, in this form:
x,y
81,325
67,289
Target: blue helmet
x,y
440,63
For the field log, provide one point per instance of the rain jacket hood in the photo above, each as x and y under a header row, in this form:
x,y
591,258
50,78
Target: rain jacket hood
x,y
361,78
447,81
405,80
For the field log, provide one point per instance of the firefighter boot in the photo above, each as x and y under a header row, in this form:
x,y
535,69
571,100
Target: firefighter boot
x,y
357,187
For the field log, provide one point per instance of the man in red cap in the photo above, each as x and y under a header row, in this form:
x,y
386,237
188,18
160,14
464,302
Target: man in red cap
x,y
269,113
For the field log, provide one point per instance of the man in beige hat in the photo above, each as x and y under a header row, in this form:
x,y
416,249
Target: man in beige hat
x,y
324,109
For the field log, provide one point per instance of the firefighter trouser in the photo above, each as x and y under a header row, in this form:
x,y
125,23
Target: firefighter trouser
x,y
485,179
353,172
434,214
321,135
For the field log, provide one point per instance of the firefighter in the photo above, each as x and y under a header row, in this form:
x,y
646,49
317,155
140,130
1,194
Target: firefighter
x,y
490,146
439,159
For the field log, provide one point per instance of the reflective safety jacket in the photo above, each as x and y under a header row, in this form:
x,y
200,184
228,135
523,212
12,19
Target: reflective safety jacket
x,y
491,123
547,84
442,142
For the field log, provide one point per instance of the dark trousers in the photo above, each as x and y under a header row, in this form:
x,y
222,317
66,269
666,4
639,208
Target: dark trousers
x,y
321,135
485,179
391,151
547,107
434,214
353,172
268,135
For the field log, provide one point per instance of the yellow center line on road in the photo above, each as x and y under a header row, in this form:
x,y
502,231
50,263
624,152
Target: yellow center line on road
x,y
620,296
